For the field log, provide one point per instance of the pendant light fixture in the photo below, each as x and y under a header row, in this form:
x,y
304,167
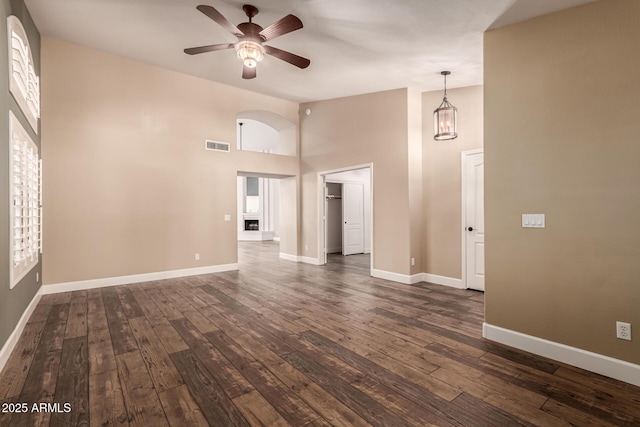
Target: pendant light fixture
x,y
445,117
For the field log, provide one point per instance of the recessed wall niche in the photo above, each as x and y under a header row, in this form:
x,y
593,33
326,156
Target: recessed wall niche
x,y
24,84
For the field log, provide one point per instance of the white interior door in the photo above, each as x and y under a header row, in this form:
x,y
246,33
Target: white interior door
x,y
353,219
474,228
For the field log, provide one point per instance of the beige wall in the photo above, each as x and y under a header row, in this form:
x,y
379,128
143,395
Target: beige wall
x,y
442,252
128,186
355,130
414,161
562,101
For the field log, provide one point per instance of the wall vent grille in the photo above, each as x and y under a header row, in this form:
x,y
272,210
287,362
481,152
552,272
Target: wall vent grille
x,y
217,146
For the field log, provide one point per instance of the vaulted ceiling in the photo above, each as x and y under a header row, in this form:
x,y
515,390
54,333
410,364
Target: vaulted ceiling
x,y
355,46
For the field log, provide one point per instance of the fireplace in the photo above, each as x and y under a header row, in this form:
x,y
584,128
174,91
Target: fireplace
x,y
251,225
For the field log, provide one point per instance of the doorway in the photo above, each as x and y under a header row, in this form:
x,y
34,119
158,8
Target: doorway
x,y
346,214
473,276
266,212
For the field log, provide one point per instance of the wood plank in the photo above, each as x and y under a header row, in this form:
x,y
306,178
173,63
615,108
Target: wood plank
x,y
181,408
330,408
73,384
570,393
101,355
502,397
413,368
227,376
150,309
200,322
163,374
56,299
625,393
121,336
140,397
258,411
398,384
40,313
222,323
474,369
164,304
216,406
181,303
170,338
578,417
363,405
15,371
94,293
77,319
290,405
38,381
130,305
49,342
484,413
403,407
106,402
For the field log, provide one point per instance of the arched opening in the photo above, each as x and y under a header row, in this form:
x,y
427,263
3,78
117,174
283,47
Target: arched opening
x,y
265,132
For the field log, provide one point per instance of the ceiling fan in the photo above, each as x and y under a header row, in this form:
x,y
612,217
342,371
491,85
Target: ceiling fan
x,y
250,47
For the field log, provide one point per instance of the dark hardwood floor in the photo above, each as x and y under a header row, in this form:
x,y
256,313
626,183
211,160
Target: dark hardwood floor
x,y
279,343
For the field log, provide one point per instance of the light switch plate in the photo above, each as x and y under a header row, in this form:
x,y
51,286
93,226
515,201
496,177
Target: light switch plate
x,y
533,221
227,217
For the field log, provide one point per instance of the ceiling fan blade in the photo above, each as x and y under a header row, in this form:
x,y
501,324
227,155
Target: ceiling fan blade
x,y
221,20
208,48
248,73
286,25
289,57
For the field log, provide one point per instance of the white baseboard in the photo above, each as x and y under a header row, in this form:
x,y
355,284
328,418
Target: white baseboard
x,y
394,277
416,278
309,260
304,259
442,280
135,278
594,362
11,342
289,257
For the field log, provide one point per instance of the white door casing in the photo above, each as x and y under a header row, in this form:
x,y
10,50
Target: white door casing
x,y
325,209
473,219
353,219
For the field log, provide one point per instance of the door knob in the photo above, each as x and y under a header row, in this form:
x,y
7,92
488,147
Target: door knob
x,y
470,228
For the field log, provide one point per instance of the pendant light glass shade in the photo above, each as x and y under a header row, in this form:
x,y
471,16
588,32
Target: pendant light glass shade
x,y
249,52
445,117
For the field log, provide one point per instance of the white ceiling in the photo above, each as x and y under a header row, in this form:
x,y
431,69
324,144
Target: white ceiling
x,y
355,46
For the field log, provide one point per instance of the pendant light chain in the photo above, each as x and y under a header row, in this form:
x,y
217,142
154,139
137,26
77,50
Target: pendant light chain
x,y
445,86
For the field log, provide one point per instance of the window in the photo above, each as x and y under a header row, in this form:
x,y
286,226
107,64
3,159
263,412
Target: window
x,y
24,85
252,200
25,201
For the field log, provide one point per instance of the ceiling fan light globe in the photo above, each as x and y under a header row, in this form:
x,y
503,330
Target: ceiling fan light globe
x,y
249,52
251,63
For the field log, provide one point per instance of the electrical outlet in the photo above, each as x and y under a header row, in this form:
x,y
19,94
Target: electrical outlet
x,y
306,248
623,331
413,261
197,257
37,277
